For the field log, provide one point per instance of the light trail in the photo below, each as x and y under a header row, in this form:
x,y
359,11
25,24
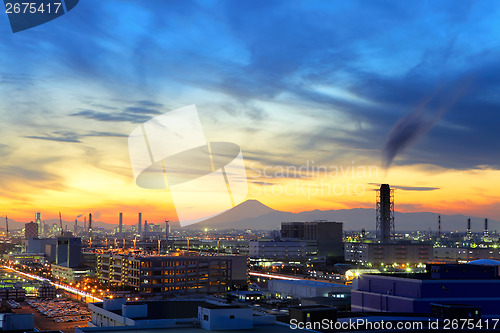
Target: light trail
x,y
274,276
55,284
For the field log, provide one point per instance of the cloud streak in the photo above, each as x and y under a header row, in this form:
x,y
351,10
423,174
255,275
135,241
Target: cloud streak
x,y
73,137
409,188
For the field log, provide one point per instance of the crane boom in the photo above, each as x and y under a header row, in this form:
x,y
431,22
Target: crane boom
x,y
60,223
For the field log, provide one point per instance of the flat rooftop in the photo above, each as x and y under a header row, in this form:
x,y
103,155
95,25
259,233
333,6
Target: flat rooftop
x,y
276,328
172,309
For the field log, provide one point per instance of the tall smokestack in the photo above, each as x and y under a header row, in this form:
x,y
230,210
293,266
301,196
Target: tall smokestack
x,y
120,224
139,227
167,232
469,230
439,226
385,213
486,233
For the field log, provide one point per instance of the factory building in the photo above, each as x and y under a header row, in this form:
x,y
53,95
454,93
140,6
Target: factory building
x,y
465,254
386,251
474,284
388,254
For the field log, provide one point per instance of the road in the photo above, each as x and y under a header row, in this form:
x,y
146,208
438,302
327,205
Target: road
x,y
89,298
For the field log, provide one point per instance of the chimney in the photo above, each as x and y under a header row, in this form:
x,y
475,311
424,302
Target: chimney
x,y
385,213
120,225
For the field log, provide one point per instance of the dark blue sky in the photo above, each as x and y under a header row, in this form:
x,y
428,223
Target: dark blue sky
x,y
377,82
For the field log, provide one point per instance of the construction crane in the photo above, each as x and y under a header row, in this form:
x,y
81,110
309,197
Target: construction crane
x,y
60,222
7,225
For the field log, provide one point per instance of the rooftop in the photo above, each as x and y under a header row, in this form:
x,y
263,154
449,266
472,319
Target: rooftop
x,y
172,309
277,328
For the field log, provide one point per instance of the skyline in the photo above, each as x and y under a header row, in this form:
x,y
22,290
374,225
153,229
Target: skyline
x,y
337,84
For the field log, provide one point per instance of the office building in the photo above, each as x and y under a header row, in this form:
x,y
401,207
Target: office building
x,y
30,230
328,236
68,254
68,251
40,223
474,284
173,273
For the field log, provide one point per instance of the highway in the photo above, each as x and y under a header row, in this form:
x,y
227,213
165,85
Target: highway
x,y
90,298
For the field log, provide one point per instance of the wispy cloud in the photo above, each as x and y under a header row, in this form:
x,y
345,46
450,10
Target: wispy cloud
x,y
138,113
410,188
73,137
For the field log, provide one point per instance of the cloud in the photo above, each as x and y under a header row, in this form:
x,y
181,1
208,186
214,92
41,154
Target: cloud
x,y
59,137
140,112
386,63
263,183
73,137
150,104
105,134
111,117
410,188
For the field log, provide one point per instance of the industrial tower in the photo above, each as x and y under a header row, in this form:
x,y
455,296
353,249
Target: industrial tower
x,y
385,213
469,230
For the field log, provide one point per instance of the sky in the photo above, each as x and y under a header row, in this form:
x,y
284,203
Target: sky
x,y
326,100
